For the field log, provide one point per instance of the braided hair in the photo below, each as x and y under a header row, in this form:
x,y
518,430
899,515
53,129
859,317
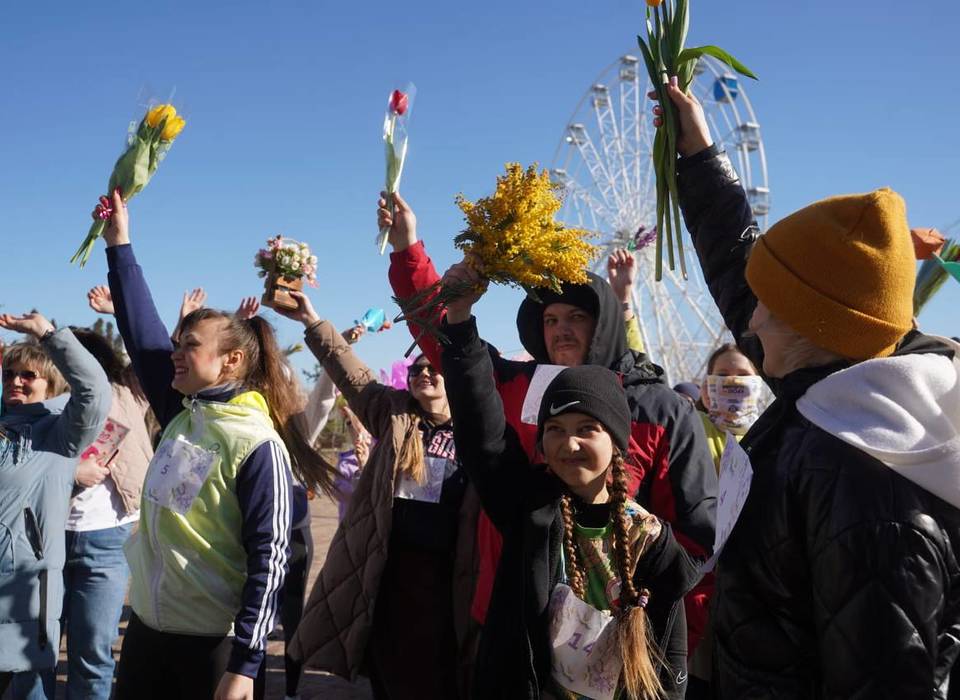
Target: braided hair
x,y
637,648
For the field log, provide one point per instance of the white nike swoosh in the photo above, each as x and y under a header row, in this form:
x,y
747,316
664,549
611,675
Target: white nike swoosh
x,y
554,410
681,678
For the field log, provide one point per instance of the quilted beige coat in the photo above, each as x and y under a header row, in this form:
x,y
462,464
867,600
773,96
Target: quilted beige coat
x,y
338,617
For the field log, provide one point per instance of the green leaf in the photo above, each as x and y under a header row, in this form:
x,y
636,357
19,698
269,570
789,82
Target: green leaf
x,y
718,54
649,61
681,27
686,73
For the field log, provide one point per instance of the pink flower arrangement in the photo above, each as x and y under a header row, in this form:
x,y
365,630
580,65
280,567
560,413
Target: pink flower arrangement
x,y
287,258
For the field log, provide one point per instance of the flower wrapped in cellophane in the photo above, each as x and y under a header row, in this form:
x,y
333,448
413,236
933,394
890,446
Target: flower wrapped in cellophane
x,y
665,56
512,238
395,124
146,147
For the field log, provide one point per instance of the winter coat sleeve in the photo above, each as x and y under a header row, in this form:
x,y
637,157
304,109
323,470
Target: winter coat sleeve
x,y
411,272
264,492
634,337
86,410
144,335
488,449
366,397
721,223
691,485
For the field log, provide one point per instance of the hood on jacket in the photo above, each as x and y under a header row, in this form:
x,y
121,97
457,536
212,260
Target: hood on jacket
x,y
903,410
609,343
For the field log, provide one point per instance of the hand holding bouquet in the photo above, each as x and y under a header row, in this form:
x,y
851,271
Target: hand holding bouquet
x,y
511,238
285,263
668,22
146,147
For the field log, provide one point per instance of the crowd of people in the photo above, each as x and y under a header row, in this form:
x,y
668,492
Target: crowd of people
x,y
537,528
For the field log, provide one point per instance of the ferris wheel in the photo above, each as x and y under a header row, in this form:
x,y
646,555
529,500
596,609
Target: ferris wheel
x,y
604,164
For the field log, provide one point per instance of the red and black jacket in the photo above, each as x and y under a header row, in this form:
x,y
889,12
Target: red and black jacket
x,y
672,472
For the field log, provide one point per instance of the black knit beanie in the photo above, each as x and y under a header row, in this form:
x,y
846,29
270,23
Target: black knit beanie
x,y
591,390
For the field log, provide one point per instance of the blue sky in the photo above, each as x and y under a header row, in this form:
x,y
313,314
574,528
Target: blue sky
x,y
285,103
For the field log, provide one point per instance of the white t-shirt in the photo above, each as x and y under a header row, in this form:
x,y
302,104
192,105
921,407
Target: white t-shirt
x,y
97,508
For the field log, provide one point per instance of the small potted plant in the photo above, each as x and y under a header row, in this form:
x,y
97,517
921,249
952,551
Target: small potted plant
x,y
285,263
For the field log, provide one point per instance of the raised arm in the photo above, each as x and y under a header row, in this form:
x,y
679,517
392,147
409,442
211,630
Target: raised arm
x,y
86,411
488,449
323,396
411,269
367,397
718,215
144,335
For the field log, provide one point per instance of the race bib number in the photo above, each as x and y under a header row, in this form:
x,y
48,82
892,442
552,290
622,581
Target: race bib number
x,y
430,490
177,473
736,474
585,657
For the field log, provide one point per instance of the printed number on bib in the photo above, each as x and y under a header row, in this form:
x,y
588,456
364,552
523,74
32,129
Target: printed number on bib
x,y
585,657
177,473
438,469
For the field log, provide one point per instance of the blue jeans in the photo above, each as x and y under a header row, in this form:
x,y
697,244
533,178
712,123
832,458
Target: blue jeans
x,y
95,584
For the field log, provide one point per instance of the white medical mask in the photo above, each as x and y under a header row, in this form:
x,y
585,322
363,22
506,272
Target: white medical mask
x,y
734,402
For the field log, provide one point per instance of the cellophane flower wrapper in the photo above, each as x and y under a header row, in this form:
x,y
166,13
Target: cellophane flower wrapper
x,y
512,238
665,55
396,122
147,144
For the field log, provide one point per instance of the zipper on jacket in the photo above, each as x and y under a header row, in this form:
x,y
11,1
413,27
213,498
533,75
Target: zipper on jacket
x,y
35,538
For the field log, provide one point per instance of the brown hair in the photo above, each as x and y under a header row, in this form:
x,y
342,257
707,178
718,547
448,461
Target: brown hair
x,y
116,367
637,647
265,369
723,350
29,354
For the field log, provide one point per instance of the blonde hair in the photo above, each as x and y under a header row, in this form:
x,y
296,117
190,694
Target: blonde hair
x,y
635,639
29,354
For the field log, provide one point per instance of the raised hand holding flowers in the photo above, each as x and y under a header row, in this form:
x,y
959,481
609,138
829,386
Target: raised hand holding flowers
x,y
285,263
512,238
146,147
668,62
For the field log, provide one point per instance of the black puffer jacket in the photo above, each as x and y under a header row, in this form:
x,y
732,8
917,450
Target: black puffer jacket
x,y
522,499
840,579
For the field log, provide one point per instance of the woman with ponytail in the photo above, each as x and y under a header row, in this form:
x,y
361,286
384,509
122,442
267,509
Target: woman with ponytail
x,y
392,599
588,595
208,561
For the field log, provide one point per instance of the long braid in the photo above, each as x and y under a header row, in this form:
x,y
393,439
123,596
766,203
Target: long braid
x,y
637,646
621,545
574,574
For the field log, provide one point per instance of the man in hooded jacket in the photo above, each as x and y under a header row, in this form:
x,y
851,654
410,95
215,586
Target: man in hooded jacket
x,y
672,472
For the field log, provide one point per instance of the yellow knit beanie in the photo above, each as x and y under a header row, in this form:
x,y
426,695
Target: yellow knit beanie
x,y
841,273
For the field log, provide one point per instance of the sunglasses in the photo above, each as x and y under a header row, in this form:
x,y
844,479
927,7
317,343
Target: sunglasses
x,y
26,375
417,370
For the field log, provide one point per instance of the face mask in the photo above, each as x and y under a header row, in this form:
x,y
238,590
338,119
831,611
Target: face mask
x,y
733,402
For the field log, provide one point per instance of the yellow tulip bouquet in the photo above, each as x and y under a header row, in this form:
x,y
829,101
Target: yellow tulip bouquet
x,y
668,22
146,147
511,238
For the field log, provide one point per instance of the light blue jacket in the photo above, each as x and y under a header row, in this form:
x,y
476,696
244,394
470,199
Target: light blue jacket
x,y
39,447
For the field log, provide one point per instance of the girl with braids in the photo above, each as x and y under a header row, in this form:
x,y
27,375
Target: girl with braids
x,y
208,561
588,596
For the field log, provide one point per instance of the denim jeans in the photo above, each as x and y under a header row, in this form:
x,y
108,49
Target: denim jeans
x,y
95,584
